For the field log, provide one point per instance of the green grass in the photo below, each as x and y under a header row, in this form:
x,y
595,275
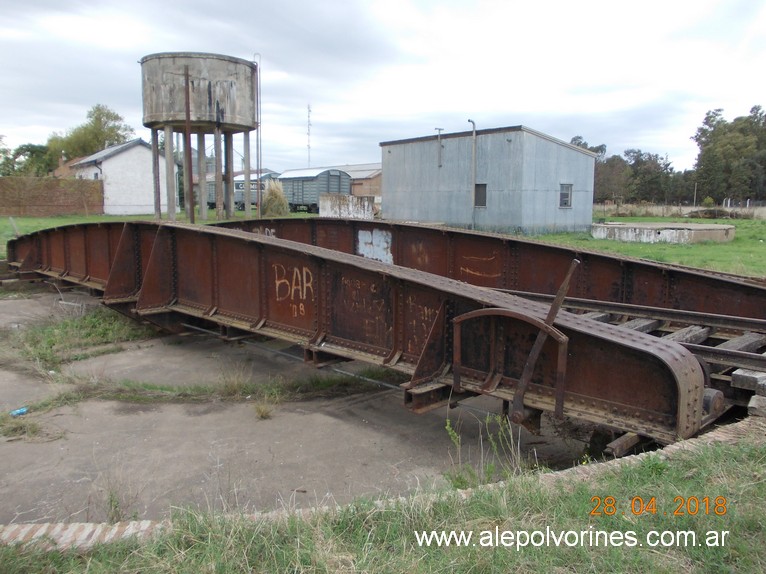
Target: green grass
x,y
26,225
372,537
265,396
274,391
497,457
51,344
232,387
745,255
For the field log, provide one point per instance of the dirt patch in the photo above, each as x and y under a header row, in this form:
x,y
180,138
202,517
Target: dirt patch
x,y
188,361
107,460
21,309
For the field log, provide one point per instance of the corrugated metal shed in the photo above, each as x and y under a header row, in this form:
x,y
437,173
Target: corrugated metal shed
x,y
507,179
489,131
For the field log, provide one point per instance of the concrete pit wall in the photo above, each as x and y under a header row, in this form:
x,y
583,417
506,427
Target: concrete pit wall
x,y
663,232
346,206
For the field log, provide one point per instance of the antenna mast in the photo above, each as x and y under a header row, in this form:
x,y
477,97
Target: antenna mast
x,y
308,134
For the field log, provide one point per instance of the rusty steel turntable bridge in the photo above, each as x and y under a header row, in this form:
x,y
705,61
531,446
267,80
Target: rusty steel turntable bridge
x,y
646,349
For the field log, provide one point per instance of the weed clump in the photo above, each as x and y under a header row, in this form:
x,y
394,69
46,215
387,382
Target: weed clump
x,y
52,344
18,427
275,203
500,455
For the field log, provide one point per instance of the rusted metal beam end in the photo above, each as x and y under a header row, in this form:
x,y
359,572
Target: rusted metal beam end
x,y
623,445
430,396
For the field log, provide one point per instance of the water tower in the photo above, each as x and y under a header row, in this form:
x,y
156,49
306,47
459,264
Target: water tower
x,y
197,93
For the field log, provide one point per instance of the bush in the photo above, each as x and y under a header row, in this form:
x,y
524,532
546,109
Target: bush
x,y
708,202
275,203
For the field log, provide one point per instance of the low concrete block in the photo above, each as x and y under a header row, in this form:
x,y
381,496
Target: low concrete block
x,y
747,379
663,232
757,406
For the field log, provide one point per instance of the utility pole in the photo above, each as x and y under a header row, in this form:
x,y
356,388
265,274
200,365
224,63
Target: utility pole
x,y
308,134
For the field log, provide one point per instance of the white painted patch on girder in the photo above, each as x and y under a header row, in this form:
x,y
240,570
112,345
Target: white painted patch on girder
x,y
375,244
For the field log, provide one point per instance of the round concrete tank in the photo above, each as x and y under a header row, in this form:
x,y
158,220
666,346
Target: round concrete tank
x,y
222,91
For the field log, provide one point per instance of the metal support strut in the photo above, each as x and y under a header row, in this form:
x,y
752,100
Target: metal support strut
x,y
517,414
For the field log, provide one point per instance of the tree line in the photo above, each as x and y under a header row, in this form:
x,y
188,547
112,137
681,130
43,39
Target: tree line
x,y
730,165
103,128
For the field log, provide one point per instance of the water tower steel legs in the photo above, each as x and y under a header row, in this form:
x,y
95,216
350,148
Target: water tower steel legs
x,y
170,180
228,158
248,192
201,176
156,174
188,176
218,174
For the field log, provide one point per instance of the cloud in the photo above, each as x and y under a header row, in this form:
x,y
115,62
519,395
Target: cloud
x,y
628,76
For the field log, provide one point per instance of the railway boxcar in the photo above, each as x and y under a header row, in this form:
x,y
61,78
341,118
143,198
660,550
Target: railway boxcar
x,y
302,187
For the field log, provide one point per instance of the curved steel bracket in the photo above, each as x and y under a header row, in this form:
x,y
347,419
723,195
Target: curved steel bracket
x,y
497,354
545,329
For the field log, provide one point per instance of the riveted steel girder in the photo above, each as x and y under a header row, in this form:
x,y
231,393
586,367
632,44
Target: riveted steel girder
x,y
399,317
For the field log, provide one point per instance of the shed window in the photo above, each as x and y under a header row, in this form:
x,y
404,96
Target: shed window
x,y
95,175
480,195
565,195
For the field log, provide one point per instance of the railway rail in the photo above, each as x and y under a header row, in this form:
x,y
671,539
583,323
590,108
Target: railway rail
x,y
646,349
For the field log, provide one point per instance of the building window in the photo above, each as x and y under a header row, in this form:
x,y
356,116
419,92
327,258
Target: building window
x,y
95,175
480,195
565,195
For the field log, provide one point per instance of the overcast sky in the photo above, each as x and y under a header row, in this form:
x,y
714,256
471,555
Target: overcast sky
x,y
625,74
